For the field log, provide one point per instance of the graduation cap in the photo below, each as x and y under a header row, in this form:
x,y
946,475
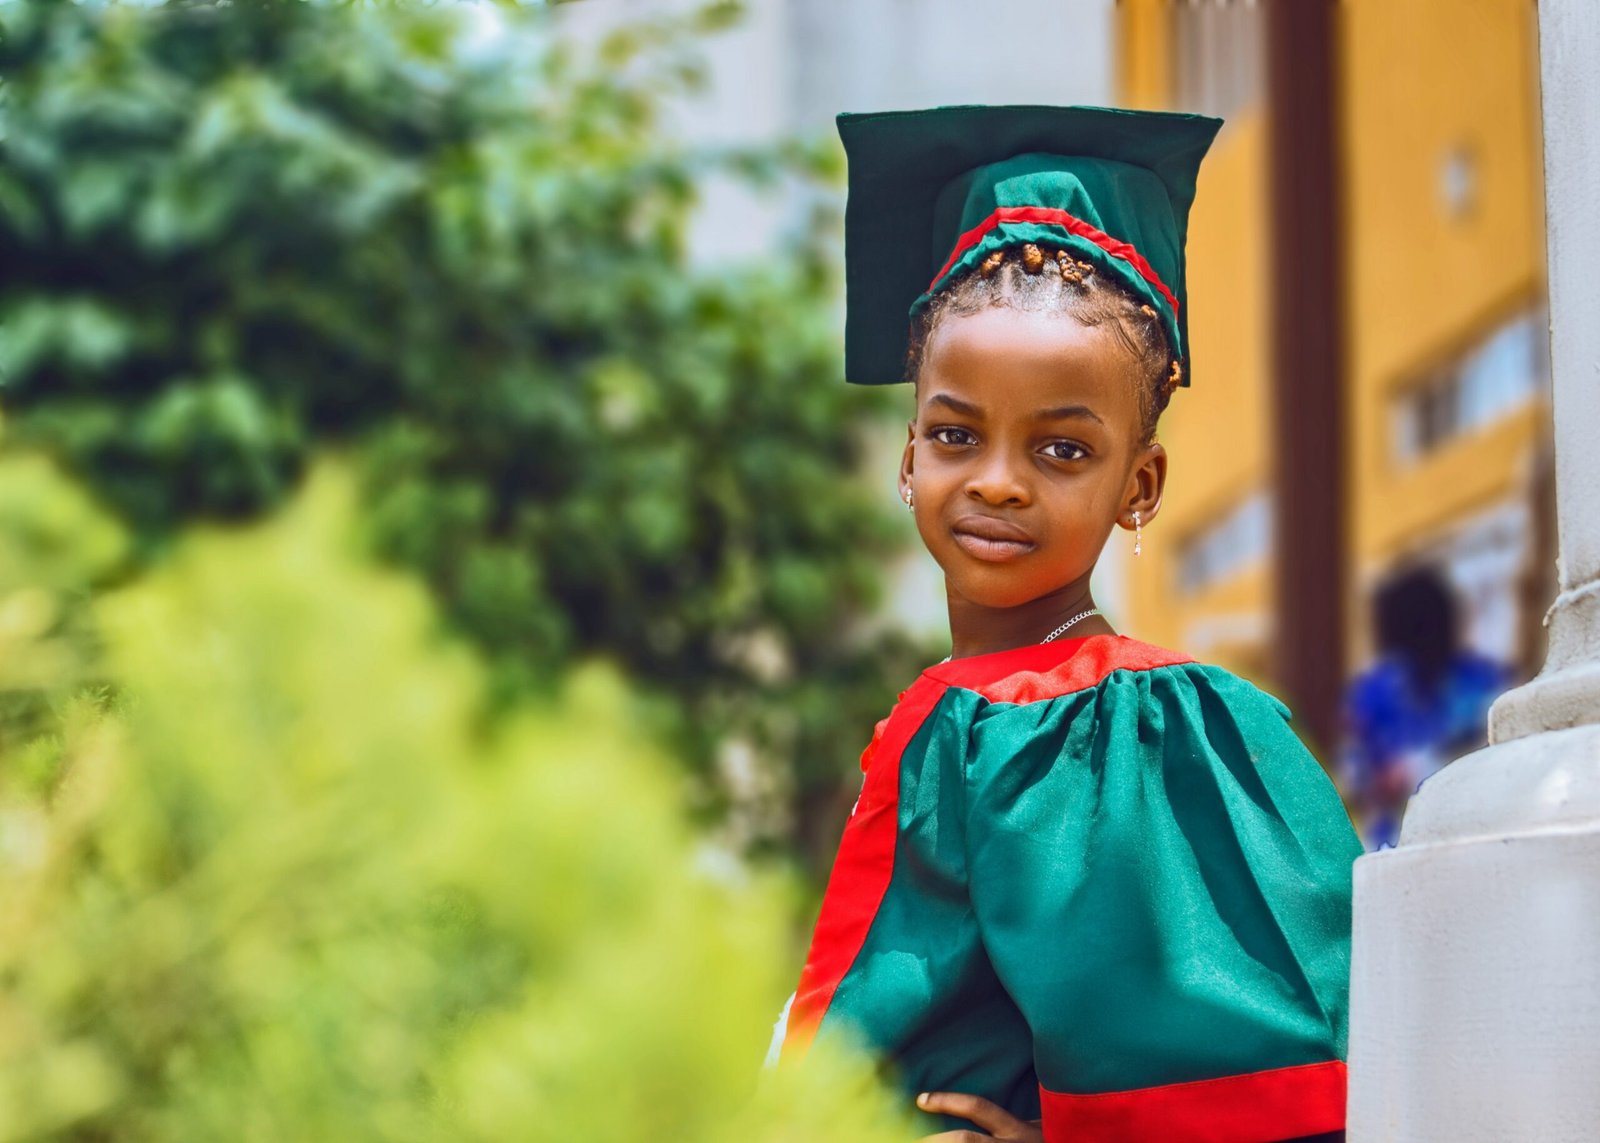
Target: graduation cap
x,y
932,193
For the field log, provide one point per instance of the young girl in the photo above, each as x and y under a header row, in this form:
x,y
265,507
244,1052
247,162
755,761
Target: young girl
x,y
1092,890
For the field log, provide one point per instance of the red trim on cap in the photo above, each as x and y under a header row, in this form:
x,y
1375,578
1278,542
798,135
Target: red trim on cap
x,y
862,869
1049,670
1072,225
1261,1107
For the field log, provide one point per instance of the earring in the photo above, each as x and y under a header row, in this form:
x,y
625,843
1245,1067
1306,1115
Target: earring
x,y
908,498
1138,534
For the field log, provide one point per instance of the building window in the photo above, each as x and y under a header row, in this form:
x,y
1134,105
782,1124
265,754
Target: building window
x,y
1240,538
1486,557
1217,56
1497,376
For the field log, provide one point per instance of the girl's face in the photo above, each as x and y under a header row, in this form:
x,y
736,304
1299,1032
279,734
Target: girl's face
x,y
1025,452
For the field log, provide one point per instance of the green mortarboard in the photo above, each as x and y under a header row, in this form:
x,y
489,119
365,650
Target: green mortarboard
x,y
932,193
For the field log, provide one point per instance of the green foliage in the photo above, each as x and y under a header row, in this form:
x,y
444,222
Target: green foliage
x,y
298,881
60,547
235,233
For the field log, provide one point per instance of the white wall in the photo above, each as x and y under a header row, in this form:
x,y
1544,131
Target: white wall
x,y
790,66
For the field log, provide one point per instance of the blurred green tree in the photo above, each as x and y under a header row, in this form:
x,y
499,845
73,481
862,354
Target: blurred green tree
x,y
298,882
234,233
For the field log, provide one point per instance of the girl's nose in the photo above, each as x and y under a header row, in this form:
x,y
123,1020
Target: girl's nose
x,y
997,482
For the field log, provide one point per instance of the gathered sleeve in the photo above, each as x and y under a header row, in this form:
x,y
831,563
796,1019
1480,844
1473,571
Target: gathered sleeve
x,y
1160,876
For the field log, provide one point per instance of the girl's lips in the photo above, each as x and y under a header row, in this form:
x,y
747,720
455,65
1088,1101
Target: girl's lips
x,y
985,538
995,551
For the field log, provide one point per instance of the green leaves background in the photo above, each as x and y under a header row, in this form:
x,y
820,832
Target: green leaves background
x,y
286,874
237,235
397,531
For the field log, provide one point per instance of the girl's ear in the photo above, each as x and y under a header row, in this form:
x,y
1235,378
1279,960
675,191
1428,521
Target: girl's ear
x,y
906,459
1146,483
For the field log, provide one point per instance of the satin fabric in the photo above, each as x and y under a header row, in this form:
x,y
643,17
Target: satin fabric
x,y
1141,882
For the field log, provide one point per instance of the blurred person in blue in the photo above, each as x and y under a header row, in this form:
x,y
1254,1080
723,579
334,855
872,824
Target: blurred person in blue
x,y
1424,702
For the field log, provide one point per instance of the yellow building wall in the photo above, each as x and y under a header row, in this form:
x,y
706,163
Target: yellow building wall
x,y
1144,53
1423,82
1420,82
1217,433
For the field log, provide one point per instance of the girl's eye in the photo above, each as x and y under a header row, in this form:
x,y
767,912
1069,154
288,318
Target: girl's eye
x,y
1065,450
950,435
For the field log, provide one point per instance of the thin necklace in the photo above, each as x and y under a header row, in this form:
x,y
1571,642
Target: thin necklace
x,y
1081,615
1056,634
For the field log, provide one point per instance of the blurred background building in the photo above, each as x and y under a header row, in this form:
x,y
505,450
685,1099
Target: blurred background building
x,y
1441,427
1447,376
787,67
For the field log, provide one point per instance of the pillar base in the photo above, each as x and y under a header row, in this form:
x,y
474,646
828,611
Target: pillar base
x,y
1475,975
1567,691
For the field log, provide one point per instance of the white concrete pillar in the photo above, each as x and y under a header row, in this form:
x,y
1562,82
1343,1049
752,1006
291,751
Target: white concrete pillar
x,y
1475,982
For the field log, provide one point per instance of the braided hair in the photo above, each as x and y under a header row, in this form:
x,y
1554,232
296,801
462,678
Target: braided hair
x,y
1033,278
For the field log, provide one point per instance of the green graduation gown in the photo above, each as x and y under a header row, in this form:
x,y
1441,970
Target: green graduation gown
x,y
1097,882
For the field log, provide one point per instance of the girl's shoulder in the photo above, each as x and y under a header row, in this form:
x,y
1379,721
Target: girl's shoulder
x,y
1050,671
1107,723
1100,687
